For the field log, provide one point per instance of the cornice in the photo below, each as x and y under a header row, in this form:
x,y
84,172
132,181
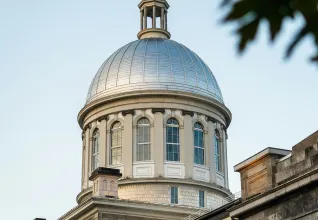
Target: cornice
x,y
154,93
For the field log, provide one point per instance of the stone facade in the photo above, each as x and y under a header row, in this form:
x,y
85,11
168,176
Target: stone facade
x,y
187,112
160,194
277,185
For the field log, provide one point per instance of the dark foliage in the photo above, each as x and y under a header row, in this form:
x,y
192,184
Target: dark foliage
x,y
249,13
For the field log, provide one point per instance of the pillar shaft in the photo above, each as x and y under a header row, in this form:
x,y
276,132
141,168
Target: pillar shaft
x,y
166,18
127,150
154,17
102,144
211,152
226,179
141,20
145,18
158,144
188,151
162,18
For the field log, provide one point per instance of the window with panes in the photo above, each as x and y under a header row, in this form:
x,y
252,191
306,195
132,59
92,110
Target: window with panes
x,y
174,195
217,150
201,198
172,140
95,150
116,144
198,137
143,152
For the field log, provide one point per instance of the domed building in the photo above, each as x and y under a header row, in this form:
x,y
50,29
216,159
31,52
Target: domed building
x,y
154,118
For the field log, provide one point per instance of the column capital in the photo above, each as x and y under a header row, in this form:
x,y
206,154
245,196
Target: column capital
x,y
105,117
156,110
208,118
185,112
87,126
126,112
225,131
223,128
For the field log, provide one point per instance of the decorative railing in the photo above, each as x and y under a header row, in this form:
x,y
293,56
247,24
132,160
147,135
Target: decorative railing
x,y
231,198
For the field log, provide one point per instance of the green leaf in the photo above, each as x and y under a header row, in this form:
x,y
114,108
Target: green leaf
x,y
225,3
296,40
240,9
247,33
275,24
314,58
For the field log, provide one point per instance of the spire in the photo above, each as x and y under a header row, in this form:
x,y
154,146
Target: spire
x,y
153,9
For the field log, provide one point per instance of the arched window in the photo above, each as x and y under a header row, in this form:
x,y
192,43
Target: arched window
x,y
172,140
217,150
143,140
198,144
95,150
116,143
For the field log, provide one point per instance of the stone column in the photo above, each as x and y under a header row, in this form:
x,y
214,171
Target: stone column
x,y
83,158
166,20
87,155
162,18
207,149
187,148
85,184
181,142
211,131
102,143
145,17
154,17
127,150
141,20
158,147
225,165
108,147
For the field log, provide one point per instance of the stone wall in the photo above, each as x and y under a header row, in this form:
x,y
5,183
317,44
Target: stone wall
x,y
160,194
300,205
298,163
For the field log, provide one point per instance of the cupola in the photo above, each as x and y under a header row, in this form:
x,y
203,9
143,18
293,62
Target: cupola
x,y
157,11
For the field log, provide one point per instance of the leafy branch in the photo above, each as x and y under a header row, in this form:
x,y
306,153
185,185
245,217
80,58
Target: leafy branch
x,y
249,13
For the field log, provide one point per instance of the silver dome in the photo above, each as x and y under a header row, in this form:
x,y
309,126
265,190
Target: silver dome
x,y
154,64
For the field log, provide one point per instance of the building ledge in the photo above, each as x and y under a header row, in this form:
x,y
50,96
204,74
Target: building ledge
x,y
128,205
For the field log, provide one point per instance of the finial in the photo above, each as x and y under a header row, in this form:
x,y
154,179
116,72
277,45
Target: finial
x,y
153,9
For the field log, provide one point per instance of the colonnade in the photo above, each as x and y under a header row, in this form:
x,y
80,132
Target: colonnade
x,y
144,15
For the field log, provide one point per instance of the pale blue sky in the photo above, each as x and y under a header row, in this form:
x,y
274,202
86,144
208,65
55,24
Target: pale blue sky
x,y
50,51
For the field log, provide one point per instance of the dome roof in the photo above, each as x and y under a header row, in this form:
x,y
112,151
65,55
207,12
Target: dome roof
x,y
154,64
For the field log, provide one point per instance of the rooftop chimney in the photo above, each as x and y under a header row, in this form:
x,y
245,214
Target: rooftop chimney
x,y
105,182
258,171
